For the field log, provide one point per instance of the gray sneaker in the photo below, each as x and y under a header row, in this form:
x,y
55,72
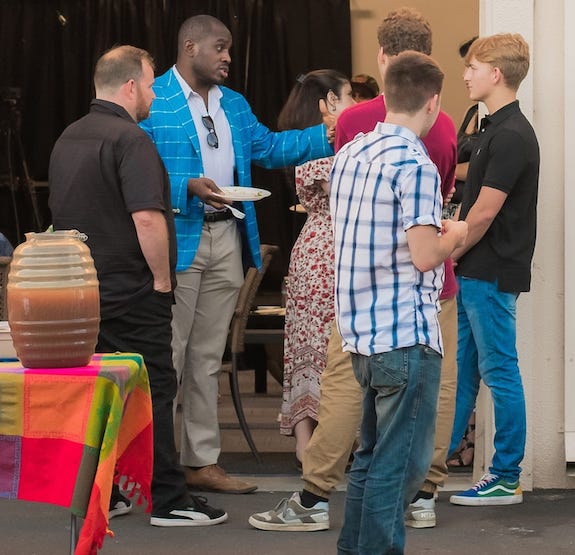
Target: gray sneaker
x,y
290,516
420,514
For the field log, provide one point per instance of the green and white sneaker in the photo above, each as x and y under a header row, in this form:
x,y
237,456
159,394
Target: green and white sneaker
x,y
290,516
490,490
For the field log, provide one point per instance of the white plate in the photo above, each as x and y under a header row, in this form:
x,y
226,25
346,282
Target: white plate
x,y
244,193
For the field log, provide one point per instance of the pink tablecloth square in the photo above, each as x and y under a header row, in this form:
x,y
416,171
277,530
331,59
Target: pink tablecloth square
x,y
10,456
38,481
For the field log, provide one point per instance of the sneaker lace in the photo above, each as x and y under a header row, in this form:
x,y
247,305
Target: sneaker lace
x,y
281,507
484,480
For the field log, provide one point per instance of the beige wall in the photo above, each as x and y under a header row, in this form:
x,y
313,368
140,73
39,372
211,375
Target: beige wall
x,y
452,21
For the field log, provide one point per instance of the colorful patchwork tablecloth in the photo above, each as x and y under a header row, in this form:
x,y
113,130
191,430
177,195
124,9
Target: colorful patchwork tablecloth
x,y
67,433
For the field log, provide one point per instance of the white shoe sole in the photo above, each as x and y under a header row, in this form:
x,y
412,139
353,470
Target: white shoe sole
x,y
299,527
420,523
119,512
486,501
176,522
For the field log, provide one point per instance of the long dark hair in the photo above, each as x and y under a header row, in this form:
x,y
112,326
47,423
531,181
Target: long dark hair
x,y
301,109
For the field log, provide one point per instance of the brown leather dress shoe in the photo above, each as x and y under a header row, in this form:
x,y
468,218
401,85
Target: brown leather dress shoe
x,y
214,478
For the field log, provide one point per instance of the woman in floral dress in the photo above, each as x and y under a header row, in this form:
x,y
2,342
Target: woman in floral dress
x,y
310,288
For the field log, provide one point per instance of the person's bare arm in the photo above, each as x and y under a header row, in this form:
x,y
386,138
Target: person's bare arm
x,y
429,249
324,184
328,119
153,238
480,217
461,171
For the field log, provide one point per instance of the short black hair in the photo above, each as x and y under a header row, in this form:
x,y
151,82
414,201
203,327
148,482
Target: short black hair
x,y
464,48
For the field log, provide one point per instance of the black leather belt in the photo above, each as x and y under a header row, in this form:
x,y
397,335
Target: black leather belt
x,y
217,216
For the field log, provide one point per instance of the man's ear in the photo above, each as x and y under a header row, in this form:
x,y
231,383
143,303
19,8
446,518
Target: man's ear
x,y
382,61
190,47
496,75
433,104
129,88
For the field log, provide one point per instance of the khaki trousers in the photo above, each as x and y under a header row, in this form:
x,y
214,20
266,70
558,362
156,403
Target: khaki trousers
x,y
446,402
328,450
206,297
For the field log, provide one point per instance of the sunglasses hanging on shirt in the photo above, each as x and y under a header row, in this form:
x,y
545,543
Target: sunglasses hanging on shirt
x,y
212,138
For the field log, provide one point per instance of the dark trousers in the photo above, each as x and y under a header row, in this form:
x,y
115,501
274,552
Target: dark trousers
x,y
146,329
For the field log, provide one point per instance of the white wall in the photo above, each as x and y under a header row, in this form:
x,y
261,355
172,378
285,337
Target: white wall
x,y
541,321
568,204
547,423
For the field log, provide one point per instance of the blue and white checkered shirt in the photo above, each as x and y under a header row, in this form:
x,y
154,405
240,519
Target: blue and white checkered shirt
x,y
382,184
172,128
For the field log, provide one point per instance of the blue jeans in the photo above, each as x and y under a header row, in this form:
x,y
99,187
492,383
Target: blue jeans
x,y
397,436
486,351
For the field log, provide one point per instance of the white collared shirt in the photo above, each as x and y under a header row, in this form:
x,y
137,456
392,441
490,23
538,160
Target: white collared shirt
x,y
218,162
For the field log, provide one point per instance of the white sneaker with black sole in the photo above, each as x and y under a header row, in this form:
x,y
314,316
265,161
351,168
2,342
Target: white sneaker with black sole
x,y
290,516
198,513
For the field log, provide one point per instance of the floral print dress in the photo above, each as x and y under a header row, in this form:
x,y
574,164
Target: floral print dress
x,y
310,299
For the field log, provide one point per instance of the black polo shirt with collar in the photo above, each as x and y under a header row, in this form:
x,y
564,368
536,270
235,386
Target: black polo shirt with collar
x,y
102,169
506,157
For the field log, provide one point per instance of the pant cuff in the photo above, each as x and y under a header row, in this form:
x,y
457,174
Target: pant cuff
x,y
428,487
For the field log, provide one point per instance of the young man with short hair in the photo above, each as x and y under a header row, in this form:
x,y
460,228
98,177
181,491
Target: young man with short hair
x,y
494,266
390,244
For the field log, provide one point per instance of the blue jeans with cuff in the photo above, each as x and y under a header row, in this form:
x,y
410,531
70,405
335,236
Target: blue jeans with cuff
x,y
397,438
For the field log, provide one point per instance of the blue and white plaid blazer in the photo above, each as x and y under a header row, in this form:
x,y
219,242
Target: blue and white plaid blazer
x,y
172,129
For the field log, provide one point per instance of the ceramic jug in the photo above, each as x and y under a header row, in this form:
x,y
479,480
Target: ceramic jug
x,y
53,300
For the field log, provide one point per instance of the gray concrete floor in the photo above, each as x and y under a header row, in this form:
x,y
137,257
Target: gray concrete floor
x,y
543,524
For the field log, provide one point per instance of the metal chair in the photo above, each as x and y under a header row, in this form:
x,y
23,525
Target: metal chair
x,y
237,337
4,267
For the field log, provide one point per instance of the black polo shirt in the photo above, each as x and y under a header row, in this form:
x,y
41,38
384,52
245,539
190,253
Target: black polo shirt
x,y
506,157
102,169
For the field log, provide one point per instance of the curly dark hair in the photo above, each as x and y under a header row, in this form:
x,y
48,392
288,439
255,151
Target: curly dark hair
x,y
404,29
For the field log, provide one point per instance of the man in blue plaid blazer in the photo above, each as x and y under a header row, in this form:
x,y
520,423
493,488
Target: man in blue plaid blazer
x,y
208,138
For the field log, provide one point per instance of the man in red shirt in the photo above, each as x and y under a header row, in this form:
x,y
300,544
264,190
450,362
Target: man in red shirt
x,y
327,452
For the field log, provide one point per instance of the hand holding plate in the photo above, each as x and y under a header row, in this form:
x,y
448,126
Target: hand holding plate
x,y
206,190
